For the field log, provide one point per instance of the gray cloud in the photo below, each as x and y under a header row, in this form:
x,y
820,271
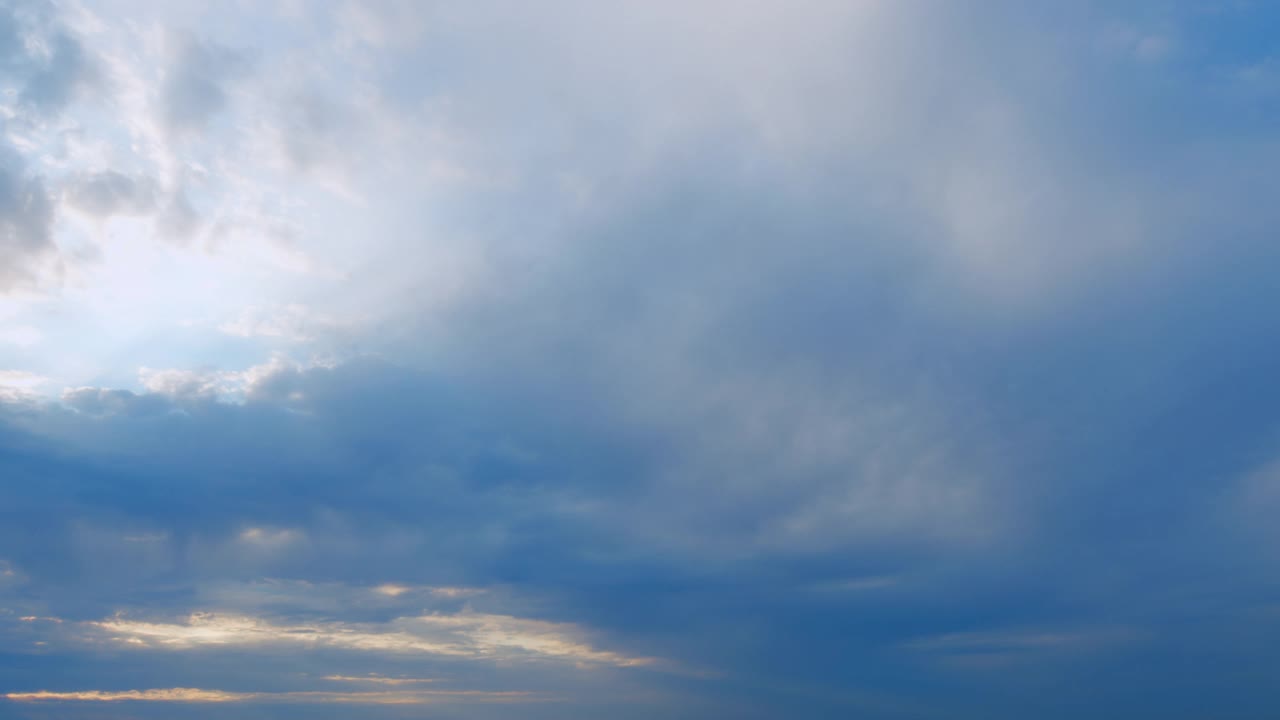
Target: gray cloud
x,y
26,220
819,350
196,81
101,402
108,193
63,74
315,132
45,68
49,66
178,220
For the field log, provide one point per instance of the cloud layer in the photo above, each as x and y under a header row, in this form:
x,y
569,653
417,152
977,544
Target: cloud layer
x,y
807,359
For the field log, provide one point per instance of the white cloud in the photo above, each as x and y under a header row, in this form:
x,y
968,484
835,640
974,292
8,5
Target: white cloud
x,y
455,592
220,385
165,695
271,538
16,384
392,590
188,384
294,322
196,695
452,593
380,680
464,635
23,336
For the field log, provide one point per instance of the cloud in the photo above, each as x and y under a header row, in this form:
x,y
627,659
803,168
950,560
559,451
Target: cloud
x,y
1011,641
392,590
379,680
455,592
464,635
315,132
23,336
195,695
166,695
178,220
830,344
107,193
294,322
270,539
46,65
21,380
63,72
26,222
397,23
196,81
187,386
102,401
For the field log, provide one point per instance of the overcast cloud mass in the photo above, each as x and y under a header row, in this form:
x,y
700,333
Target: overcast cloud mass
x,y
641,359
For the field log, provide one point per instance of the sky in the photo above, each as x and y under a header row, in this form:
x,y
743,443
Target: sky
x,y
569,359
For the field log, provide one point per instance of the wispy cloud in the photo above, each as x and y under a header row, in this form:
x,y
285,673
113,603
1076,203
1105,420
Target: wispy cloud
x,y
394,590
160,695
999,648
196,695
469,635
379,680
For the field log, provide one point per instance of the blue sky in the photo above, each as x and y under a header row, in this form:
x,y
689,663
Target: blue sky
x,y
806,359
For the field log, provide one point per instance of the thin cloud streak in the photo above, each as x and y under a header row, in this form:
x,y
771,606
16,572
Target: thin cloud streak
x,y
471,635
379,680
197,695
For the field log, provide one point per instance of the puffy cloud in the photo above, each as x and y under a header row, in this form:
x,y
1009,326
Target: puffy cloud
x,y
102,401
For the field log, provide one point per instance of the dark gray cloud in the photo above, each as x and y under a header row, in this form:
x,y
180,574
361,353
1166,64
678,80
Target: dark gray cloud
x,y
366,473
